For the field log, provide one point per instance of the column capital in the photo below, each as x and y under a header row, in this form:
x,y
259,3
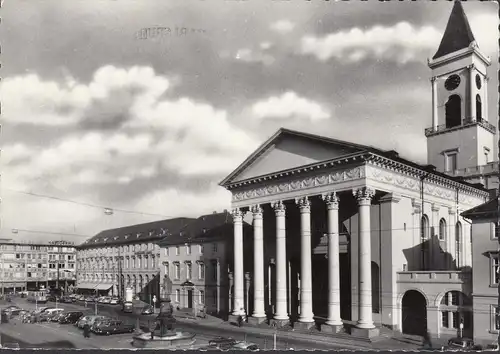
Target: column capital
x,y
237,215
471,67
304,204
364,195
486,78
435,208
279,208
331,199
390,198
433,79
451,211
256,211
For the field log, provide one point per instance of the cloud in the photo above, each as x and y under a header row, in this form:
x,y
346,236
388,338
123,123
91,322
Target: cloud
x,y
401,42
250,56
289,105
265,45
282,26
485,29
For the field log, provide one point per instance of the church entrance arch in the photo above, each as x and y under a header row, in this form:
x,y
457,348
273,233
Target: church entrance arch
x,y
414,311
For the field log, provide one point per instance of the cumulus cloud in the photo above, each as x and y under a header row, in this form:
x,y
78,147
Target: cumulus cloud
x,y
290,105
282,26
401,42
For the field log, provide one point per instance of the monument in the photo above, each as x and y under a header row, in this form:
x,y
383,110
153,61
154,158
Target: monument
x,y
164,335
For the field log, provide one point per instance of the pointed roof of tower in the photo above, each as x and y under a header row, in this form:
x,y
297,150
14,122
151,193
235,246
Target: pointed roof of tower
x,y
458,34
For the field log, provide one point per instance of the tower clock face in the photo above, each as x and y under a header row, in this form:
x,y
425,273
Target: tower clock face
x,y
478,81
452,82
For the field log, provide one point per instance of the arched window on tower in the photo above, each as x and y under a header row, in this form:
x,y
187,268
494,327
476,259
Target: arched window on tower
x,y
458,242
479,108
453,110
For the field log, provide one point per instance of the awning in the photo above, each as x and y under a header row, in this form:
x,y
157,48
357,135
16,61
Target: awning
x,y
92,286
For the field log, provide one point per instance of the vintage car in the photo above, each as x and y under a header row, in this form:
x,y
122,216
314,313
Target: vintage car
x,y
113,327
70,317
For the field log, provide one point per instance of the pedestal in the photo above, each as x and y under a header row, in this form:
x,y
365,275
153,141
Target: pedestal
x,y
365,333
304,325
326,328
256,320
279,323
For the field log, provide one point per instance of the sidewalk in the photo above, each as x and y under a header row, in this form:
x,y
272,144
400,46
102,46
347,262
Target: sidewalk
x,y
342,339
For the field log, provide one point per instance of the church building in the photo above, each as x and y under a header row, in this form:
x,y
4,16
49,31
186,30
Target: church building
x,y
353,238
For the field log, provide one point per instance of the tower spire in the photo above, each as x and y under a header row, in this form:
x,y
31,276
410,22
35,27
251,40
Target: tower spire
x,y
458,34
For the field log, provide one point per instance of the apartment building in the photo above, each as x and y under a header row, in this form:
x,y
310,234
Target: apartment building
x,y
26,266
194,269
485,271
124,257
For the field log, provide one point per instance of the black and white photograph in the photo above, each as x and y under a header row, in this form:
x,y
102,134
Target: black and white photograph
x,y
249,175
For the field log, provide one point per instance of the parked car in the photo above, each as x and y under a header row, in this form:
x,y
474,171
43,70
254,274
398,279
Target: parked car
x,y
222,342
89,320
70,317
55,317
461,343
493,347
13,310
114,301
244,346
47,315
114,327
99,322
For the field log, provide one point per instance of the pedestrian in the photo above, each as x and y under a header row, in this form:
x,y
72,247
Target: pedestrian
x,y
427,340
86,331
240,320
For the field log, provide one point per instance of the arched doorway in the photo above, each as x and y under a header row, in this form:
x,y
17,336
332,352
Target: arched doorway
x,y
453,110
414,313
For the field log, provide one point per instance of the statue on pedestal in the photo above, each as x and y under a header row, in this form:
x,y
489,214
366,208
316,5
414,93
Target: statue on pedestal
x,y
165,320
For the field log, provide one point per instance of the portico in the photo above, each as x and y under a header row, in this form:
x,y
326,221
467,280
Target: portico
x,y
312,198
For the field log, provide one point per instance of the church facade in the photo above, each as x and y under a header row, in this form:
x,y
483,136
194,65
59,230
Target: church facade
x,y
355,238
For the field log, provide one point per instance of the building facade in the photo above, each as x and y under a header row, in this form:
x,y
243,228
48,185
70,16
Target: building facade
x,y
124,257
28,266
485,271
383,236
194,269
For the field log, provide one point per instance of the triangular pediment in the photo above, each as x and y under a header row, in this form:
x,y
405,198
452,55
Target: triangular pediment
x,y
288,150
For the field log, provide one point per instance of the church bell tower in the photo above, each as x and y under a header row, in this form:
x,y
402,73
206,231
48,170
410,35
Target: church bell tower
x,y
460,135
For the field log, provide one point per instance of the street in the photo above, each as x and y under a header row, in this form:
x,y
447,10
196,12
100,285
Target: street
x,y
54,335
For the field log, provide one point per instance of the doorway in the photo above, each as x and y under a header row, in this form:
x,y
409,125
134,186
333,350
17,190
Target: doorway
x,y
190,299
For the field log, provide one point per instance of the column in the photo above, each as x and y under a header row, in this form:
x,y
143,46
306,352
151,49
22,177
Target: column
x,y
281,295
472,96
332,203
306,311
364,196
434,104
258,259
238,264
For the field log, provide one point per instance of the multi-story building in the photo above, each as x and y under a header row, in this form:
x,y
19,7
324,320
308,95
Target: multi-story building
x,y
25,265
485,271
388,231
194,264
124,257
61,268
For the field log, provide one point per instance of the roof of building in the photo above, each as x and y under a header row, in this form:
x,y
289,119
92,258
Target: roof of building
x,y
388,154
155,230
457,35
206,228
483,211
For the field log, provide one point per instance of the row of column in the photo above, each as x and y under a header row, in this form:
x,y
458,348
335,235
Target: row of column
x,y
363,196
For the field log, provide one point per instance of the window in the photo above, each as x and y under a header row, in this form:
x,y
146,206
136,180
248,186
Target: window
x,y
451,161
177,295
496,229
495,318
201,270
202,249
486,155
177,271
479,108
202,297
188,271
215,248
494,269
214,297
166,270
176,250
453,111
442,230
458,238
166,251
214,271
188,249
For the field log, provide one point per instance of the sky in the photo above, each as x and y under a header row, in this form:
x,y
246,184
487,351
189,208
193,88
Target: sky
x,y
100,112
